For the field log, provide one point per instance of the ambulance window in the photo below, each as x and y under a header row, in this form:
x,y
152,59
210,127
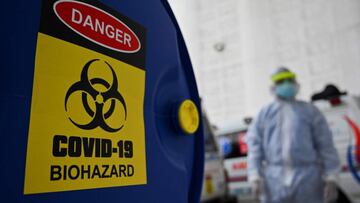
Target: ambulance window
x,y
358,101
238,145
210,145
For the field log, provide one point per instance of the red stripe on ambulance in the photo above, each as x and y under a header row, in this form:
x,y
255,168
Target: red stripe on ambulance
x,y
97,26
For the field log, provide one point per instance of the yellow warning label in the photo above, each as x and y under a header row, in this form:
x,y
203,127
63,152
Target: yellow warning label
x,y
86,124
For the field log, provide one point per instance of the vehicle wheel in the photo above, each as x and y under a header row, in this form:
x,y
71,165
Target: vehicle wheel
x,y
229,199
342,198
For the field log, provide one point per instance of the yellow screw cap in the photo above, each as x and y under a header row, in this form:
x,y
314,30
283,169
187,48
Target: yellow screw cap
x,y
188,117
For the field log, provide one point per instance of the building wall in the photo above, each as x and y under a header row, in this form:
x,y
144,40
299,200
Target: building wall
x,y
318,39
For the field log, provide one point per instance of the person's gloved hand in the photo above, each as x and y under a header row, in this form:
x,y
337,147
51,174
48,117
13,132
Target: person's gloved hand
x,y
257,187
330,192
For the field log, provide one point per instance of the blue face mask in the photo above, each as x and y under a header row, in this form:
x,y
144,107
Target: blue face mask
x,y
286,90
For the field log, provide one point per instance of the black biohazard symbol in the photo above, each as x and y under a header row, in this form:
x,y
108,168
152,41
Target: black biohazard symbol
x,y
86,87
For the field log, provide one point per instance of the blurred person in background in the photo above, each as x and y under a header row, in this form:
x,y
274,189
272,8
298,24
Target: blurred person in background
x,y
292,158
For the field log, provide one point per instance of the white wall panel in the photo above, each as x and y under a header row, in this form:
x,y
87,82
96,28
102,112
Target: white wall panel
x,y
318,39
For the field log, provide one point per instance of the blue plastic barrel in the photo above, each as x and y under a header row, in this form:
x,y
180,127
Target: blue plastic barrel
x,y
92,104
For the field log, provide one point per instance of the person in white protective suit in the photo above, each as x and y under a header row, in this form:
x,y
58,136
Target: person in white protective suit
x,y
292,158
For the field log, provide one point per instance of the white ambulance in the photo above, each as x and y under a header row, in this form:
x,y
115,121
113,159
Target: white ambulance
x,y
342,113
234,149
214,184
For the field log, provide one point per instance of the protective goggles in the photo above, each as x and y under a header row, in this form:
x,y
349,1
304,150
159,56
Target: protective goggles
x,y
283,76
